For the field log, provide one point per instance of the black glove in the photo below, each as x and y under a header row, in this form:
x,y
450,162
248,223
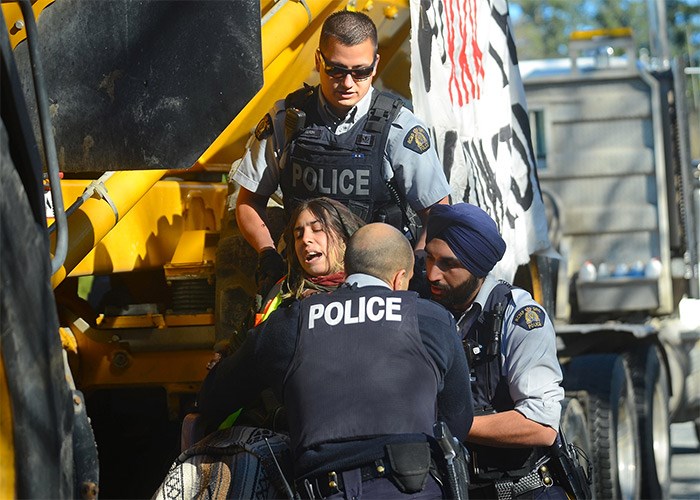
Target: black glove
x,y
271,268
419,282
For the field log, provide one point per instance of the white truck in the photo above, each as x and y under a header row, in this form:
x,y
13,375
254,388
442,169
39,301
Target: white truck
x,y
612,145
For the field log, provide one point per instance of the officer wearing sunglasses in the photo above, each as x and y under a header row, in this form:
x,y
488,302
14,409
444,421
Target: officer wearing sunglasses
x,y
342,139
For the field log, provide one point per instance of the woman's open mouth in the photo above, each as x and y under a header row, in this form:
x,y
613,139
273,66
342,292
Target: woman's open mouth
x,y
312,256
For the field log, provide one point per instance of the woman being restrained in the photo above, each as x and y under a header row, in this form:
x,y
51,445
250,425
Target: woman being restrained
x,y
315,240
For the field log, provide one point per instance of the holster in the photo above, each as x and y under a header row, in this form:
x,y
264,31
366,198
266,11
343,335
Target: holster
x,y
460,486
567,468
410,464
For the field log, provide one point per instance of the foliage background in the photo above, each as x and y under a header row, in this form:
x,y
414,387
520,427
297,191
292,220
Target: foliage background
x,y
542,29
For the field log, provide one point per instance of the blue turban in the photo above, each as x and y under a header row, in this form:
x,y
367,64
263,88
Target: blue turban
x,y
470,233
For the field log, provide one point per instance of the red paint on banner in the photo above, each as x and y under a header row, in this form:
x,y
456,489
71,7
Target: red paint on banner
x,y
467,70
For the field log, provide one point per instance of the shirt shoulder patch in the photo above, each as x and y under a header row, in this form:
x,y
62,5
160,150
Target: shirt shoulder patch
x,y
417,139
264,128
529,317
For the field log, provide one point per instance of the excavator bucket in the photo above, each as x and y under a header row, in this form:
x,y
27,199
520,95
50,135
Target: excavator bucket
x,y
128,81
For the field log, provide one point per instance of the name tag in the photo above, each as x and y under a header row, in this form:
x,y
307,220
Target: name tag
x,y
353,311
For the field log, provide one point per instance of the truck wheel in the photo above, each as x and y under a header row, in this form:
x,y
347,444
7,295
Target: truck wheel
x,y
651,395
678,366
613,423
575,428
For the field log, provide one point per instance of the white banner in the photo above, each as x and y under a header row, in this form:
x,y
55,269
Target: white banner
x,y
466,86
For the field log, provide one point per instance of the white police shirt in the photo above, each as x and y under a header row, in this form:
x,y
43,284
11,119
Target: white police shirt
x,y
529,355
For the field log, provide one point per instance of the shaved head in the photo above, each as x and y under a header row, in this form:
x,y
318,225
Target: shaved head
x,y
379,250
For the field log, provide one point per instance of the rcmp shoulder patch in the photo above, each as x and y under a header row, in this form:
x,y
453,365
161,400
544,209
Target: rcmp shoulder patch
x,y
264,128
529,317
417,140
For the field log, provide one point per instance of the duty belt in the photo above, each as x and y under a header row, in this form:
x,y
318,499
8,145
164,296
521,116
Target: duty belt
x,y
330,483
507,489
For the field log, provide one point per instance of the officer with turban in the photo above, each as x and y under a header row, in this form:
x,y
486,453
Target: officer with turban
x,y
511,346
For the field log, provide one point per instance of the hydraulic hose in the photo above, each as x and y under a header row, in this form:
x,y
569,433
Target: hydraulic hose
x,y
47,138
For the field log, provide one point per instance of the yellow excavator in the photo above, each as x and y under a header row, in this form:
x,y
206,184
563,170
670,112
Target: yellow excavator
x,y
122,271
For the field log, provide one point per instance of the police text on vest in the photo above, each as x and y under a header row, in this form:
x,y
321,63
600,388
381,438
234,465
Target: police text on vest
x,y
332,181
359,310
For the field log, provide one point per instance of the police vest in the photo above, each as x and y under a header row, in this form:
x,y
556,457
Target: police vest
x,y
346,167
489,387
360,369
490,390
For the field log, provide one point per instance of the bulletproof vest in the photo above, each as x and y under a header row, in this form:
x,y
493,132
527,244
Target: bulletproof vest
x,y
360,369
490,389
346,167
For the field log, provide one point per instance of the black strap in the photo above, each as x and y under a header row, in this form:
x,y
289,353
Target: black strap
x,y
490,324
382,112
381,115
299,98
331,483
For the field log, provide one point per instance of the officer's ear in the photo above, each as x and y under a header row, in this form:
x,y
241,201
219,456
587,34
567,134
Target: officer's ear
x,y
376,65
317,59
401,279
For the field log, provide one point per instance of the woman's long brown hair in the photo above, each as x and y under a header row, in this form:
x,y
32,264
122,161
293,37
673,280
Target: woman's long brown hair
x,y
338,222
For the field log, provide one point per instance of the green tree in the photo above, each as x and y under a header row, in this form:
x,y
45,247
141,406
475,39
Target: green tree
x,y
624,13
542,28
684,28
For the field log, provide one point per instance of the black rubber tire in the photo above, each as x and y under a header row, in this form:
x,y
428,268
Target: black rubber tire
x,y
651,392
40,401
574,425
612,422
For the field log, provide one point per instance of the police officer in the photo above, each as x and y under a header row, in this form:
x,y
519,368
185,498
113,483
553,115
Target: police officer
x,y
342,139
512,349
364,372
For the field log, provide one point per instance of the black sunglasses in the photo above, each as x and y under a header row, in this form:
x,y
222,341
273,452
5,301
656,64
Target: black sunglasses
x,y
358,74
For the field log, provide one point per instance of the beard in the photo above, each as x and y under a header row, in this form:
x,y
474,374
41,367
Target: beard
x,y
458,299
